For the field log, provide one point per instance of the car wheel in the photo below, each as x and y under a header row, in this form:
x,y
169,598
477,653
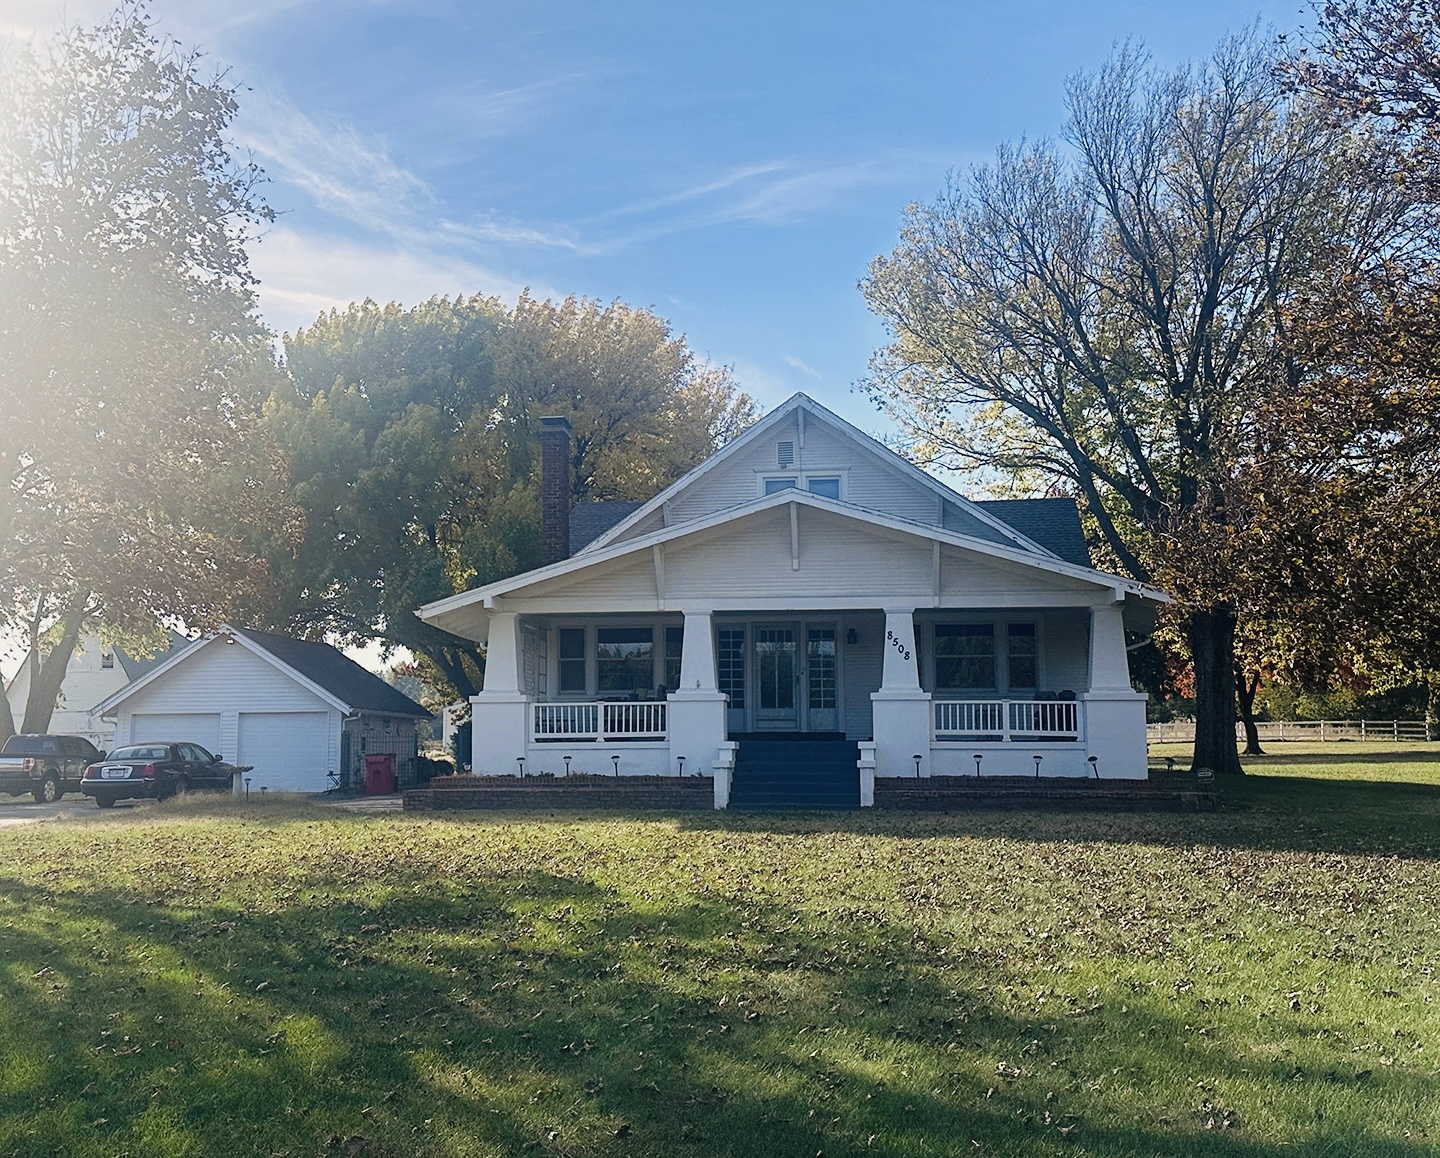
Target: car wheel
x,y
104,802
48,790
181,787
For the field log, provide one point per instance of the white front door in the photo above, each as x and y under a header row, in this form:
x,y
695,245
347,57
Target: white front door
x,y
777,678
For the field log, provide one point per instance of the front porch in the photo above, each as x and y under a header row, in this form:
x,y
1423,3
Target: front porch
x,y
678,694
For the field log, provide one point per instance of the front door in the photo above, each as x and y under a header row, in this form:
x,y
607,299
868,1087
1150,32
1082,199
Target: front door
x,y
777,678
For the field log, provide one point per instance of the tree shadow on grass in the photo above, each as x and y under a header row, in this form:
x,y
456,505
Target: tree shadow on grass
x,y
537,1012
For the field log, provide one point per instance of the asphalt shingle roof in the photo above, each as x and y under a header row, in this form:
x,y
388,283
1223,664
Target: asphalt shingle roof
x,y
337,673
1053,523
588,521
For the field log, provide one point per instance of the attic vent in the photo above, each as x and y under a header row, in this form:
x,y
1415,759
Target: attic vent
x,y
785,453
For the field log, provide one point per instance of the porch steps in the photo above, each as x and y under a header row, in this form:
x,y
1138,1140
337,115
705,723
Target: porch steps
x,y
796,773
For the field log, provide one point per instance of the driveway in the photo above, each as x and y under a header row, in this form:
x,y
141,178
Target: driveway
x,y
22,810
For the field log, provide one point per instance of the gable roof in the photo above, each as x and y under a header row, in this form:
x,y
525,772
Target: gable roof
x,y
803,402
1040,560
1053,523
329,673
337,673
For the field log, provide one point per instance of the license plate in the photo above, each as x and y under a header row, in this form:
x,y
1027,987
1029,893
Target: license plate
x,y
115,772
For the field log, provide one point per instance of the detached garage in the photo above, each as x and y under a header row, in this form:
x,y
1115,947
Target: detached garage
x,y
301,714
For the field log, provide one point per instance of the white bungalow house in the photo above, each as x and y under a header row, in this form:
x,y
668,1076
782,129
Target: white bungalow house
x,y
805,583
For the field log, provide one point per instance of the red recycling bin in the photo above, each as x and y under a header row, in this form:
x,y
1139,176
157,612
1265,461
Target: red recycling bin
x,y
380,774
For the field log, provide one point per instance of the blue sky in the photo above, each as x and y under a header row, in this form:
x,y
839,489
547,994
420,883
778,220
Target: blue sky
x,y
735,165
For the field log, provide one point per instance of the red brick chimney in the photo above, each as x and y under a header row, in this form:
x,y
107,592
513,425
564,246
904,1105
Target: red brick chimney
x,y
555,487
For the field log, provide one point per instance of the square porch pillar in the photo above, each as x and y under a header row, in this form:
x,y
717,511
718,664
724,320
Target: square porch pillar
x,y
1114,711
500,713
901,710
696,709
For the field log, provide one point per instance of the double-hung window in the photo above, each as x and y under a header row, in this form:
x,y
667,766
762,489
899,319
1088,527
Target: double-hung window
x,y
1023,655
624,659
965,656
572,660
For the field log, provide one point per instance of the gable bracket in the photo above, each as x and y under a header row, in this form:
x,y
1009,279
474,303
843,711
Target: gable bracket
x,y
794,536
657,556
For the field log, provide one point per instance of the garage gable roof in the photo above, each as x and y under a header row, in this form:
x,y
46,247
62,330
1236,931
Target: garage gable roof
x,y
316,666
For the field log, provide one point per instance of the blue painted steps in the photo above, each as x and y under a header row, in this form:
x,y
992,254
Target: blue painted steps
x,y
796,773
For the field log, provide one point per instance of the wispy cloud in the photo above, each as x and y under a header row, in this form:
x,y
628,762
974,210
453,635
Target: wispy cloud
x,y
304,274
804,367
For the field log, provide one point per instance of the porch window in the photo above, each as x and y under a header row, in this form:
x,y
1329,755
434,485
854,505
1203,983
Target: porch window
x,y
572,660
625,659
965,655
1024,657
674,637
730,668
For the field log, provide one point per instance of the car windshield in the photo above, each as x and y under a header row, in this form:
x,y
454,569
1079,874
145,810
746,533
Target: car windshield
x,y
140,752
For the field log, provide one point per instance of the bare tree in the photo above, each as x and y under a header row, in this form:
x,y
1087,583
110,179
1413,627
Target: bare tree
x,y
1099,317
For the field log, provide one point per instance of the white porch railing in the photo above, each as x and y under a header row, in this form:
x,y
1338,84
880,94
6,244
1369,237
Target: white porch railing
x,y
603,721
1006,719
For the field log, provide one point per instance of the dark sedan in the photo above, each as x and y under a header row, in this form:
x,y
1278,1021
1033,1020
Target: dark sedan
x,y
156,771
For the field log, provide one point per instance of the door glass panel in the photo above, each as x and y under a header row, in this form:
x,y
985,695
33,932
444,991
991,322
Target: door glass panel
x,y
730,670
775,667
820,663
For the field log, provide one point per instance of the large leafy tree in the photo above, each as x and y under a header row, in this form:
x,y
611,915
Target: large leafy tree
x,y
1101,317
130,354
411,437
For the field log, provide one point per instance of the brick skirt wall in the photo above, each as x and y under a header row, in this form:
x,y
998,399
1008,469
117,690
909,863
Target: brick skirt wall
x,y
1048,793
493,793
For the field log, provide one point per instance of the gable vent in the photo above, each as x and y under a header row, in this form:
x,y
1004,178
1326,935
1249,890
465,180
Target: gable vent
x,y
785,453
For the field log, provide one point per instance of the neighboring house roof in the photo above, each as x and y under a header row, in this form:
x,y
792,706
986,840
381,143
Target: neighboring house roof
x,y
135,667
1053,523
328,672
588,521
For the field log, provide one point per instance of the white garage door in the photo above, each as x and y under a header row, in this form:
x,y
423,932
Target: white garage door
x,y
290,751
201,728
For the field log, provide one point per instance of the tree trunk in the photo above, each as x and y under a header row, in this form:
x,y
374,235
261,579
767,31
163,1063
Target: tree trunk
x,y
1245,690
1212,645
1432,707
47,674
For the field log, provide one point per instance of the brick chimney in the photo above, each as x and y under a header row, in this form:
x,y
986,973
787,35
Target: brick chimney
x,y
555,487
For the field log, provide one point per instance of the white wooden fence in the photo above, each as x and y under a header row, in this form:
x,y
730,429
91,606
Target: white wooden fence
x,y
1006,719
1183,731
600,721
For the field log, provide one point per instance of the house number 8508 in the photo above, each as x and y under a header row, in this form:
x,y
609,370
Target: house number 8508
x,y
897,645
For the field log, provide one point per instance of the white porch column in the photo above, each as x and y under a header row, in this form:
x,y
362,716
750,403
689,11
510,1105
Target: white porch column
x,y
1114,711
500,713
901,709
696,709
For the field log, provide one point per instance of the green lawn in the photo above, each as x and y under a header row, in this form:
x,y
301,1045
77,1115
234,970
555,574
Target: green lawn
x,y
211,979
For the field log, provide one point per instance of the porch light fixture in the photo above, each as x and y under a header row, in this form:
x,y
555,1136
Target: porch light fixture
x,y
851,636
681,760
978,758
521,761
617,764
1094,762
567,760
916,758
1037,760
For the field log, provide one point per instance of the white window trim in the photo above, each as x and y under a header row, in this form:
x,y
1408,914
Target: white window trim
x,y
591,628
802,479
